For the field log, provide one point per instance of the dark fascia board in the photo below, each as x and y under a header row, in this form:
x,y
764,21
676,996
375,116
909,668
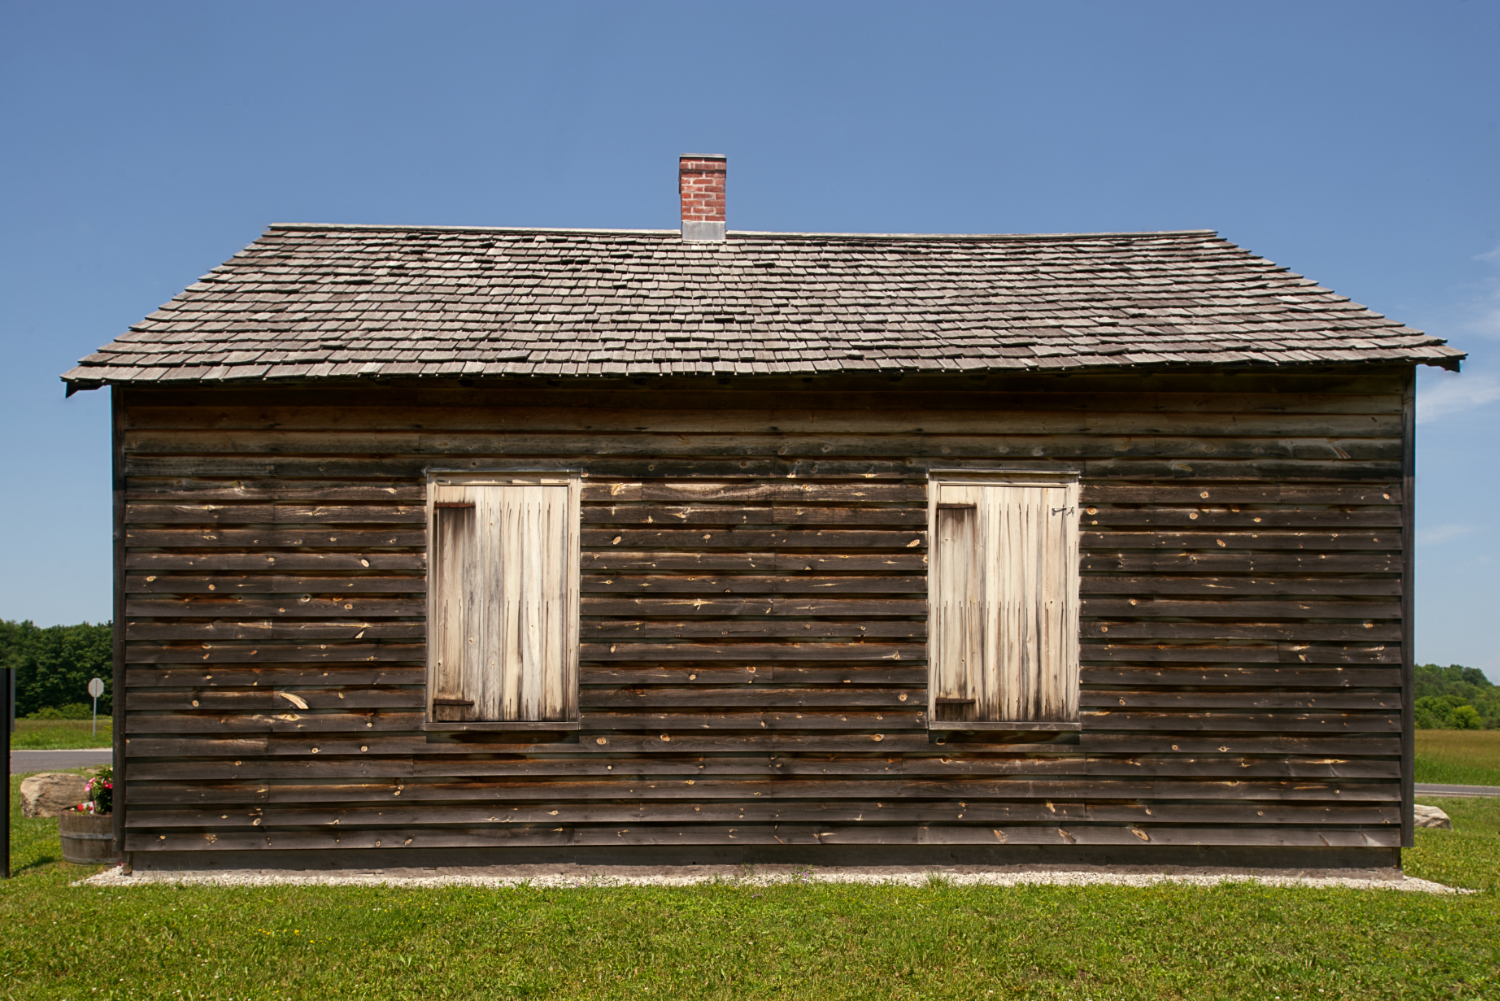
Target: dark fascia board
x,y
1452,364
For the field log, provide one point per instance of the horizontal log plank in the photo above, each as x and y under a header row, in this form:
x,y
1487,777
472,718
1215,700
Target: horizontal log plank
x,y
799,607
268,537
1240,561
1291,677
1286,632
693,741
558,836
614,561
1381,744
365,583
1219,699
1225,585
1239,608
807,796
740,513
212,561
235,676
272,653
1244,519
645,650
622,583
207,489
663,723
748,696
1225,653
1230,722
1064,413
1116,492
706,467
221,699
666,723
700,742
204,513
257,630
291,720
674,766
1270,540
278,513
842,444
717,674
608,629
298,606
239,677
753,537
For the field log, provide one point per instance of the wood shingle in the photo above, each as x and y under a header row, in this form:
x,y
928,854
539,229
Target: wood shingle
x,y
325,301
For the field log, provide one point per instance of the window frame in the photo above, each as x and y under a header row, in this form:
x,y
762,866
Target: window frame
x,y
512,476
962,476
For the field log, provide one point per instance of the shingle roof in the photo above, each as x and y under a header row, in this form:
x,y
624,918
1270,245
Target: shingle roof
x,y
314,301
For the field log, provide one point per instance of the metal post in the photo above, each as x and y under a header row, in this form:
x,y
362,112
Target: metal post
x,y
10,724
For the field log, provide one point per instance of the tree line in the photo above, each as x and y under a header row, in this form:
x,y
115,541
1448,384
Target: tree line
x,y
53,664
1456,698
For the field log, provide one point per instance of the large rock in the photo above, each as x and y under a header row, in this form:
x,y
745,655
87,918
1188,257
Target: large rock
x,y
1431,816
46,794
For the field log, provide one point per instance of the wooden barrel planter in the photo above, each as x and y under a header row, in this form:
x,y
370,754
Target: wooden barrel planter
x,y
88,838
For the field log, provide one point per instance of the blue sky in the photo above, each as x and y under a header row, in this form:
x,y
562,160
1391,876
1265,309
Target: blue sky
x,y
1356,143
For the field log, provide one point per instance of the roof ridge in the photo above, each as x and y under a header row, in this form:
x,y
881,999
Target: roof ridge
x,y
981,236
377,227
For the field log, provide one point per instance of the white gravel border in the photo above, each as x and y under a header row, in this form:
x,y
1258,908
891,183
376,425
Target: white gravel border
x,y
585,877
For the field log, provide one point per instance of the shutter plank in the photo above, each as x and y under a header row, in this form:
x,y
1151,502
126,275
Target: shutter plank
x,y
1053,516
958,601
1071,603
453,531
545,676
481,599
511,558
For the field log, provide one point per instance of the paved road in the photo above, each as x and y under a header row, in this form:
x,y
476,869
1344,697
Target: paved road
x,y
1424,789
45,761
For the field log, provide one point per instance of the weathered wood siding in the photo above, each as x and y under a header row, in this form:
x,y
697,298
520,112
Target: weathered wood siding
x,y
754,615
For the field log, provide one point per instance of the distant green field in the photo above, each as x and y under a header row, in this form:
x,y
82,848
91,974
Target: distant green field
x,y
1459,757
59,734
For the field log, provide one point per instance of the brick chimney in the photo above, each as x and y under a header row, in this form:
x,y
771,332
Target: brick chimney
x,y
700,182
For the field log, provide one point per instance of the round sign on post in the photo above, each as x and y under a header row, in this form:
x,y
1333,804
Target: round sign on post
x,y
96,689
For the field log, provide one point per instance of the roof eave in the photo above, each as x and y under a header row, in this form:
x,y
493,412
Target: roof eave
x,y
1446,358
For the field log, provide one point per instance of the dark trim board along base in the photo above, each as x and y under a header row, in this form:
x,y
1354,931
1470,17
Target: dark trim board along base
x,y
369,860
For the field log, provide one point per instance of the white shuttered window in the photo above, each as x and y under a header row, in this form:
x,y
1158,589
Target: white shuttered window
x,y
503,598
1003,599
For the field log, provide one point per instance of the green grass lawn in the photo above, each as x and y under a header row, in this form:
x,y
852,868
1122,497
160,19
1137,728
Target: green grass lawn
x,y
57,734
1230,942
1459,757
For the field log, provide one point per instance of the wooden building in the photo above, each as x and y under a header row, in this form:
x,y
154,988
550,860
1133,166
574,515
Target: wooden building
x,y
440,545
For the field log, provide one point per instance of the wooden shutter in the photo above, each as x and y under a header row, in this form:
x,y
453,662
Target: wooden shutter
x,y
1003,599
450,557
503,600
